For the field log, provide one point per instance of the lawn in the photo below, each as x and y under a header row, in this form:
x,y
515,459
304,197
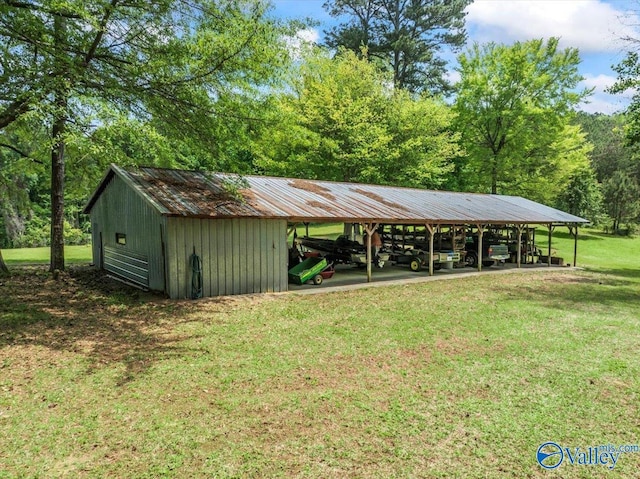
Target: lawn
x,y
72,255
462,378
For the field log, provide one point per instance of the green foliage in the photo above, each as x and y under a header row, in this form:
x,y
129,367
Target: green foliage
x,y
628,71
622,198
514,107
344,123
170,82
582,196
233,187
38,233
607,135
403,37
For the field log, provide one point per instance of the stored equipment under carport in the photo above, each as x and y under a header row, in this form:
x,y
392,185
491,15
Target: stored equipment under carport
x,y
314,269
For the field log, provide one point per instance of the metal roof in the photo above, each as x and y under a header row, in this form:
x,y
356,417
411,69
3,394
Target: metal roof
x,y
205,195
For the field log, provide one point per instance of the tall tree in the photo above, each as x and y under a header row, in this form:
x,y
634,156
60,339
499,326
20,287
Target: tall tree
x,y
341,121
20,162
622,198
628,71
582,195
611,151
405,36
176,61
515,105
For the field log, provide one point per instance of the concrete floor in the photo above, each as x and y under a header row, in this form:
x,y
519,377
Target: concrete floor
x,y
348,277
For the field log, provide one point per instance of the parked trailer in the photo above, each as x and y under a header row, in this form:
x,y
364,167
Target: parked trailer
x,y
409,245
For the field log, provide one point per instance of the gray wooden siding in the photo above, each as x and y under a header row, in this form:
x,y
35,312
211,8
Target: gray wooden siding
x,y
238,255
119,209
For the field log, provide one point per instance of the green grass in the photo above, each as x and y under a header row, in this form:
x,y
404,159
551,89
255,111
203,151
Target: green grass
x,y
72,254
596,250
452,379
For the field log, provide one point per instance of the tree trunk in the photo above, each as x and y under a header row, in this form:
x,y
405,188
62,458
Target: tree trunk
x,y
57,197
494,176
3,266
57,156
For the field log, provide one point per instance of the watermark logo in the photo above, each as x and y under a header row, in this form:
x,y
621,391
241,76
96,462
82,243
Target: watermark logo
x,y
551,455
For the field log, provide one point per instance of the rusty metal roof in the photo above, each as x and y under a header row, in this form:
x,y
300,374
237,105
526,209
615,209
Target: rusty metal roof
x,y
206,195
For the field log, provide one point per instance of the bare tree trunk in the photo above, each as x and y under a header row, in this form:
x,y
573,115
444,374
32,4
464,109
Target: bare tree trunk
x,y
494,176
3,266
57,157
57,197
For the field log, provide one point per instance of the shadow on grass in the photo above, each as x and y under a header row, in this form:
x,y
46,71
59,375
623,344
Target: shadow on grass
x,y
582,235
580,293
86,313
619,273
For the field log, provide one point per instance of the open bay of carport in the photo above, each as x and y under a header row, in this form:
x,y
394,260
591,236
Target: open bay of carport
x,y
349,277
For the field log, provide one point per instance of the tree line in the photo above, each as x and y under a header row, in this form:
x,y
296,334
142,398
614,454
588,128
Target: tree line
x,y
224,85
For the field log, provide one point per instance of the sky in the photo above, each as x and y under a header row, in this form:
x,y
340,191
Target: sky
x,y
595,27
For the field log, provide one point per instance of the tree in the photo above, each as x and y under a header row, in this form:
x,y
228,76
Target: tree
x,y
20,163
622,198
611,152
582,196
514,106
404,36
343,122
628,72
179,62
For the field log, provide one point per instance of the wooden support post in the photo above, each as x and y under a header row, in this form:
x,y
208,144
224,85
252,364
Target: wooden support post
x,y
519,244
369,229
480,235
575,246
533,244
549,251
430,229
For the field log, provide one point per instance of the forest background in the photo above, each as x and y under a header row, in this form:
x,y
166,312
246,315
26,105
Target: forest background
x,y
227,86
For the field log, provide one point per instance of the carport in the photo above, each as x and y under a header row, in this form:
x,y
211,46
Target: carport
x,y
196,233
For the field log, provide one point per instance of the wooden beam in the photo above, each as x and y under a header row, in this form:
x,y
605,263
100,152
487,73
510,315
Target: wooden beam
x,y
369,229
291,228
520,227
431,231
480,235
575,247
549,251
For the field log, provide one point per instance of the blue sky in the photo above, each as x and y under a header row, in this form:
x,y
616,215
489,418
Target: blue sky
x,y
595,27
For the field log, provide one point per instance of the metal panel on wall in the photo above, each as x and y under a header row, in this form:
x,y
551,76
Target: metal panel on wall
x,y
127,229
238,256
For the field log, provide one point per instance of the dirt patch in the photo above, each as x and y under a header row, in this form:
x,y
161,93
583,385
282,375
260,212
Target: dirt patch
x,y
312,188
379,199
457,346
88,313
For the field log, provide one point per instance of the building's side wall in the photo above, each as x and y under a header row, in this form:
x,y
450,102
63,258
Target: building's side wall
x,y
121,210
238,255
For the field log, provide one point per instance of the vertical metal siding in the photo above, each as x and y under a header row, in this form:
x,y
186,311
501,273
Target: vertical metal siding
x,y
262,244
238,255
119,209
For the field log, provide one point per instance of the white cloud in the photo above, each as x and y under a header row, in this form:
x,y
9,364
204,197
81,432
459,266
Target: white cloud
x,y
308,35
453,76
599,82
603,103
590,25
301,40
